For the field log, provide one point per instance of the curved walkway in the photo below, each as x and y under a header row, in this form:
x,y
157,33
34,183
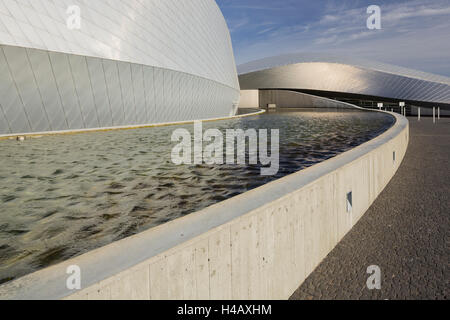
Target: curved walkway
x,y
405,232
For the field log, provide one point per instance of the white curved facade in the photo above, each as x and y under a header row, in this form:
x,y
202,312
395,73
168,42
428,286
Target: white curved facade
x,y
131,63
318,72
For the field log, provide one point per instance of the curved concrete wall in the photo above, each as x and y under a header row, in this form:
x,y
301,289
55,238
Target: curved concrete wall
x,y
131,63
263,248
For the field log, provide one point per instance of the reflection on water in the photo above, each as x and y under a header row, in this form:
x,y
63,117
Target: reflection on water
x,y
62,196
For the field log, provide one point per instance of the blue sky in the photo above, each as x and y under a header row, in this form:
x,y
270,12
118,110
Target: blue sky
x,y
414,34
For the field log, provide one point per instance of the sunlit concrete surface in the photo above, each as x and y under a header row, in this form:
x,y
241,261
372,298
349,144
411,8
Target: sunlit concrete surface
x,y
405,231
129,63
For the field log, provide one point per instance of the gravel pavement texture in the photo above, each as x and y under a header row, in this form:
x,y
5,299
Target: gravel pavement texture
x,y
406,232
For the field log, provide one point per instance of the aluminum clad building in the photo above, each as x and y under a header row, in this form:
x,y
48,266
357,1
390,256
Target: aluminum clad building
x,y
131,62
319,73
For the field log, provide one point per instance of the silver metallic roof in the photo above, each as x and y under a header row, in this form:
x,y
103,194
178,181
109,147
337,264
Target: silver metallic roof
x,y
180,35
293,58
344,74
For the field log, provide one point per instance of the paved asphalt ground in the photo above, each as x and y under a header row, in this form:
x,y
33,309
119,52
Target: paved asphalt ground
x,y
406,232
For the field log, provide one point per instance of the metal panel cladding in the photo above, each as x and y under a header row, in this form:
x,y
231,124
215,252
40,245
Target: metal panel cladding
x,y
78,64
346,75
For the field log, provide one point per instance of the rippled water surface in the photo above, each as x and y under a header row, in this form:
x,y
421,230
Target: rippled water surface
x,y
62,196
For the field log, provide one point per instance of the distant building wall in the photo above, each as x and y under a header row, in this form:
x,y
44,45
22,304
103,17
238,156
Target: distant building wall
x,y
249,99
291,99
